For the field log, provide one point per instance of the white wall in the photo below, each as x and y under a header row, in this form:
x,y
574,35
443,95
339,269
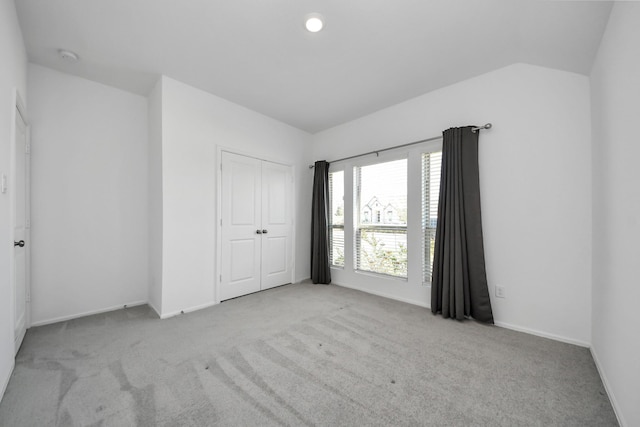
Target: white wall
x,y
615,86
536,199
155,197
194,124
13,75
89,196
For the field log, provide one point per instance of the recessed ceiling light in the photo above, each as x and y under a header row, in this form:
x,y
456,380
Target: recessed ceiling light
x,y
68,56
313,22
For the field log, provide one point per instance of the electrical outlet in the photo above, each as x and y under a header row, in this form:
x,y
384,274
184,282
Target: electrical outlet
x,y
500,292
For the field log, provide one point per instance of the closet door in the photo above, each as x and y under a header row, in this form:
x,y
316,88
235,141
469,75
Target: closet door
x,y
241,225
277,263
256,226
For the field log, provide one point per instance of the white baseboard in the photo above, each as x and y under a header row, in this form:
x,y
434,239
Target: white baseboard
x,y
385,295
187,310
197,307
500,324
87,313
543,334
154,308
607,388
6,380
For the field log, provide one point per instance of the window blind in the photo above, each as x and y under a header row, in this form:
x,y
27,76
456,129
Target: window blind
x,y
336,218
431,165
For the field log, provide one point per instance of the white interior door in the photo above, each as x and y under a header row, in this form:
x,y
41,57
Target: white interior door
x,y
20,232
256,225
241,219
276,225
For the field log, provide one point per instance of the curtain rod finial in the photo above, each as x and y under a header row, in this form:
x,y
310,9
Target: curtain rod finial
x,y
477,128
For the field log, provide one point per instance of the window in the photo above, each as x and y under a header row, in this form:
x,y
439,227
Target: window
x,y
381,247
336,218
391,215
430,193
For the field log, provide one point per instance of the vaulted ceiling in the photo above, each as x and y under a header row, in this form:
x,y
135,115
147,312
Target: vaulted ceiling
x,y
371,54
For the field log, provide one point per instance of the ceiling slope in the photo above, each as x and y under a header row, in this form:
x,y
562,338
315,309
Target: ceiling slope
x,y
256,53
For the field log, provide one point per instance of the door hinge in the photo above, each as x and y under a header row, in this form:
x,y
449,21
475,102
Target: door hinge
x,y
27,148
220,222
27,223
27,296
221,278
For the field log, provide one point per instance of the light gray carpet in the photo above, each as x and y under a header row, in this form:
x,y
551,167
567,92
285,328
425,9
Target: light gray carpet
x,y
299,355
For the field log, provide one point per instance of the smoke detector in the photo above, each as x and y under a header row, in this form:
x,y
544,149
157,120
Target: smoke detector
x,y
68,56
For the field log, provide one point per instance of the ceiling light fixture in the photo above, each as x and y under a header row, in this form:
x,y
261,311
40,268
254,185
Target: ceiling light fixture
x,y
68,56
313,22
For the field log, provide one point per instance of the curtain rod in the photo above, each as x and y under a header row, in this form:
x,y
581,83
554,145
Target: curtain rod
x,y
473,129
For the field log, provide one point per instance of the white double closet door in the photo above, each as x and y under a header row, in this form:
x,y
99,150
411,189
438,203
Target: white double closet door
x,y
256,225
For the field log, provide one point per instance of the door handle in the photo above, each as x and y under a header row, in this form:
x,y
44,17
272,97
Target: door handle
x,y
258,231
264,231
20,243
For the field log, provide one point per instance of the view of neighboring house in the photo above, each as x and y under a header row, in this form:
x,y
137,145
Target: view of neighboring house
x,y
377,212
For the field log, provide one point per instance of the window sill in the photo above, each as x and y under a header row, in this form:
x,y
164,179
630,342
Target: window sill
x,y
381,275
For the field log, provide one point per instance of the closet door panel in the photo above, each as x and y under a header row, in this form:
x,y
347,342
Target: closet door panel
x,y
277,257
241,219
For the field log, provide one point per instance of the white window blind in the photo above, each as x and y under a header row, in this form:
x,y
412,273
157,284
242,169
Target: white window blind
x,y
431,164
381,218
336,218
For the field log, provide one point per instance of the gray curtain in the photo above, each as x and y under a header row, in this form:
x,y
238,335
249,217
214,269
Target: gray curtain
x,y
459,284
320,270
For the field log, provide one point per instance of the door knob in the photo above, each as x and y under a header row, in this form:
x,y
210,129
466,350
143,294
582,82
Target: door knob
x,y
264,231
20,243
258,231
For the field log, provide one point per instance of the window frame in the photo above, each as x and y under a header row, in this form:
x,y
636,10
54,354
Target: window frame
x,y
348,275
388,156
